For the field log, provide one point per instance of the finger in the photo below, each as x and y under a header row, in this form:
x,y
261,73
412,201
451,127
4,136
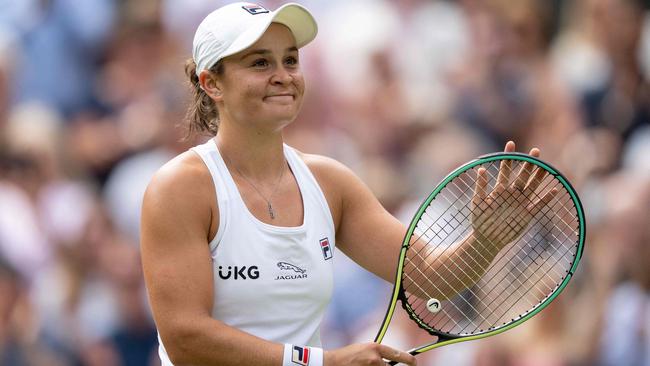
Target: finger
x,y
534,152
392,354
505,168
480,191
525,171
522,176
544,201
536,180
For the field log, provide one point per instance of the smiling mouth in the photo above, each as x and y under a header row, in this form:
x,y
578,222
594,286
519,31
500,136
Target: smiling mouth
x,y
279,97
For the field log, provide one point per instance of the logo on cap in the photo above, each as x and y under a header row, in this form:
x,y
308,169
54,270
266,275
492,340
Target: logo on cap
x,y
255,9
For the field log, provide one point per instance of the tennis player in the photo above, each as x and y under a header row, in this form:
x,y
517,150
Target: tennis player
x,y
238,234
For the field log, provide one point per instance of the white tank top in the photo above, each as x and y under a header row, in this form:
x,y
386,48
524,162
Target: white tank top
x,y
270,281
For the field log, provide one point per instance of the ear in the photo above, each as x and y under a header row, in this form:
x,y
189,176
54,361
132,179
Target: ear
x,y
210,84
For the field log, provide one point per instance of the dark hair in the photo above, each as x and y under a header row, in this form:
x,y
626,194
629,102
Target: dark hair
x,y
202,114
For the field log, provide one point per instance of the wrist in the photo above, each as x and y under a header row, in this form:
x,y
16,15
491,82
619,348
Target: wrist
x,y
480,241
329,358
302,355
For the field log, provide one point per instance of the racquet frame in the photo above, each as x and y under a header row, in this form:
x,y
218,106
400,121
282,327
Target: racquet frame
x,y
399,292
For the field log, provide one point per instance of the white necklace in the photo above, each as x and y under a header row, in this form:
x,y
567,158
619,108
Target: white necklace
x,y
268,200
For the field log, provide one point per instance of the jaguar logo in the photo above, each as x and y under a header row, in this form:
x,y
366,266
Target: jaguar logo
x,y
300,273
291,267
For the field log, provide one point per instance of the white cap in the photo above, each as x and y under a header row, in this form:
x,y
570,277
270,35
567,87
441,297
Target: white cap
x,y
235,27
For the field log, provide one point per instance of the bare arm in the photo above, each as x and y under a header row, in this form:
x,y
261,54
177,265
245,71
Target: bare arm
x,y
499,217
372,237
365,231
175,226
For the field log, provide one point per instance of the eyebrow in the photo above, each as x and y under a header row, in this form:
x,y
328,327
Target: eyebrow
x,y
264,51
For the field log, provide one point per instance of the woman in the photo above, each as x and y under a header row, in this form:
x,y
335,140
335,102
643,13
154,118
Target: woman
x,y
238,233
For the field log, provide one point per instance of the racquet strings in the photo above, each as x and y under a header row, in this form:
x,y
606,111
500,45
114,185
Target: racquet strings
x,y
522,275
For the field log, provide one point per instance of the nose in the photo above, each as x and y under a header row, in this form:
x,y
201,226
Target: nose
x,y
281,76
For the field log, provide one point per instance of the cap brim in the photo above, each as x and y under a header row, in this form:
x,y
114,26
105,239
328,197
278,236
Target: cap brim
x,y
297,18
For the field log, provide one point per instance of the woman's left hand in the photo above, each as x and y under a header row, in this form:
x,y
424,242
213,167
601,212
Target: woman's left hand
x,y
501,215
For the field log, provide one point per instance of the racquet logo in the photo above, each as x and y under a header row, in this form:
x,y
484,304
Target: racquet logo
x,y
255,9
326,248
300,355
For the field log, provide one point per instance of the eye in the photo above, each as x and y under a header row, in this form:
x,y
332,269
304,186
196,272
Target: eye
x,y
260,63
291,60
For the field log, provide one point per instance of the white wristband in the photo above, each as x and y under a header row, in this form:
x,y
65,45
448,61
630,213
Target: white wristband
x,y
303,356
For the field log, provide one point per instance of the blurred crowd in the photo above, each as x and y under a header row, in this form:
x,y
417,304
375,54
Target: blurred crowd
x,y
92,101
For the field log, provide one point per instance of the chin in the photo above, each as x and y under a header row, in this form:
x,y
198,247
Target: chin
x,y
283,121
283,114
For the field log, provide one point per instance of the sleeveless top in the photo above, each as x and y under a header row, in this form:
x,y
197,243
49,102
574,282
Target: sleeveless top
x,y
270,281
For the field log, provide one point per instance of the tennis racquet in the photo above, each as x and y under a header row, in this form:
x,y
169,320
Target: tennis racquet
x,y
494,243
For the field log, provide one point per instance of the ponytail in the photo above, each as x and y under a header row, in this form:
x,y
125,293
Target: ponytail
x,y
202,114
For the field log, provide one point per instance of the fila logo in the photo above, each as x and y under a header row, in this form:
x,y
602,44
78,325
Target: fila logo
x,y
300,355
326,248
240,272
255,9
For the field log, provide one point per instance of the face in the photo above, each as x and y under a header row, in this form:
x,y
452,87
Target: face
x,y
263,85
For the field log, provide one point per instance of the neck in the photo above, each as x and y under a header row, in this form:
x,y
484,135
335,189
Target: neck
x,y
258,155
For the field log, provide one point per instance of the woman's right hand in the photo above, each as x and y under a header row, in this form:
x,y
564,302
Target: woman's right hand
x,y
366,354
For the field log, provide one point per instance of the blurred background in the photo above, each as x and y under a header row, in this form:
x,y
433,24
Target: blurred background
x,y
92,101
